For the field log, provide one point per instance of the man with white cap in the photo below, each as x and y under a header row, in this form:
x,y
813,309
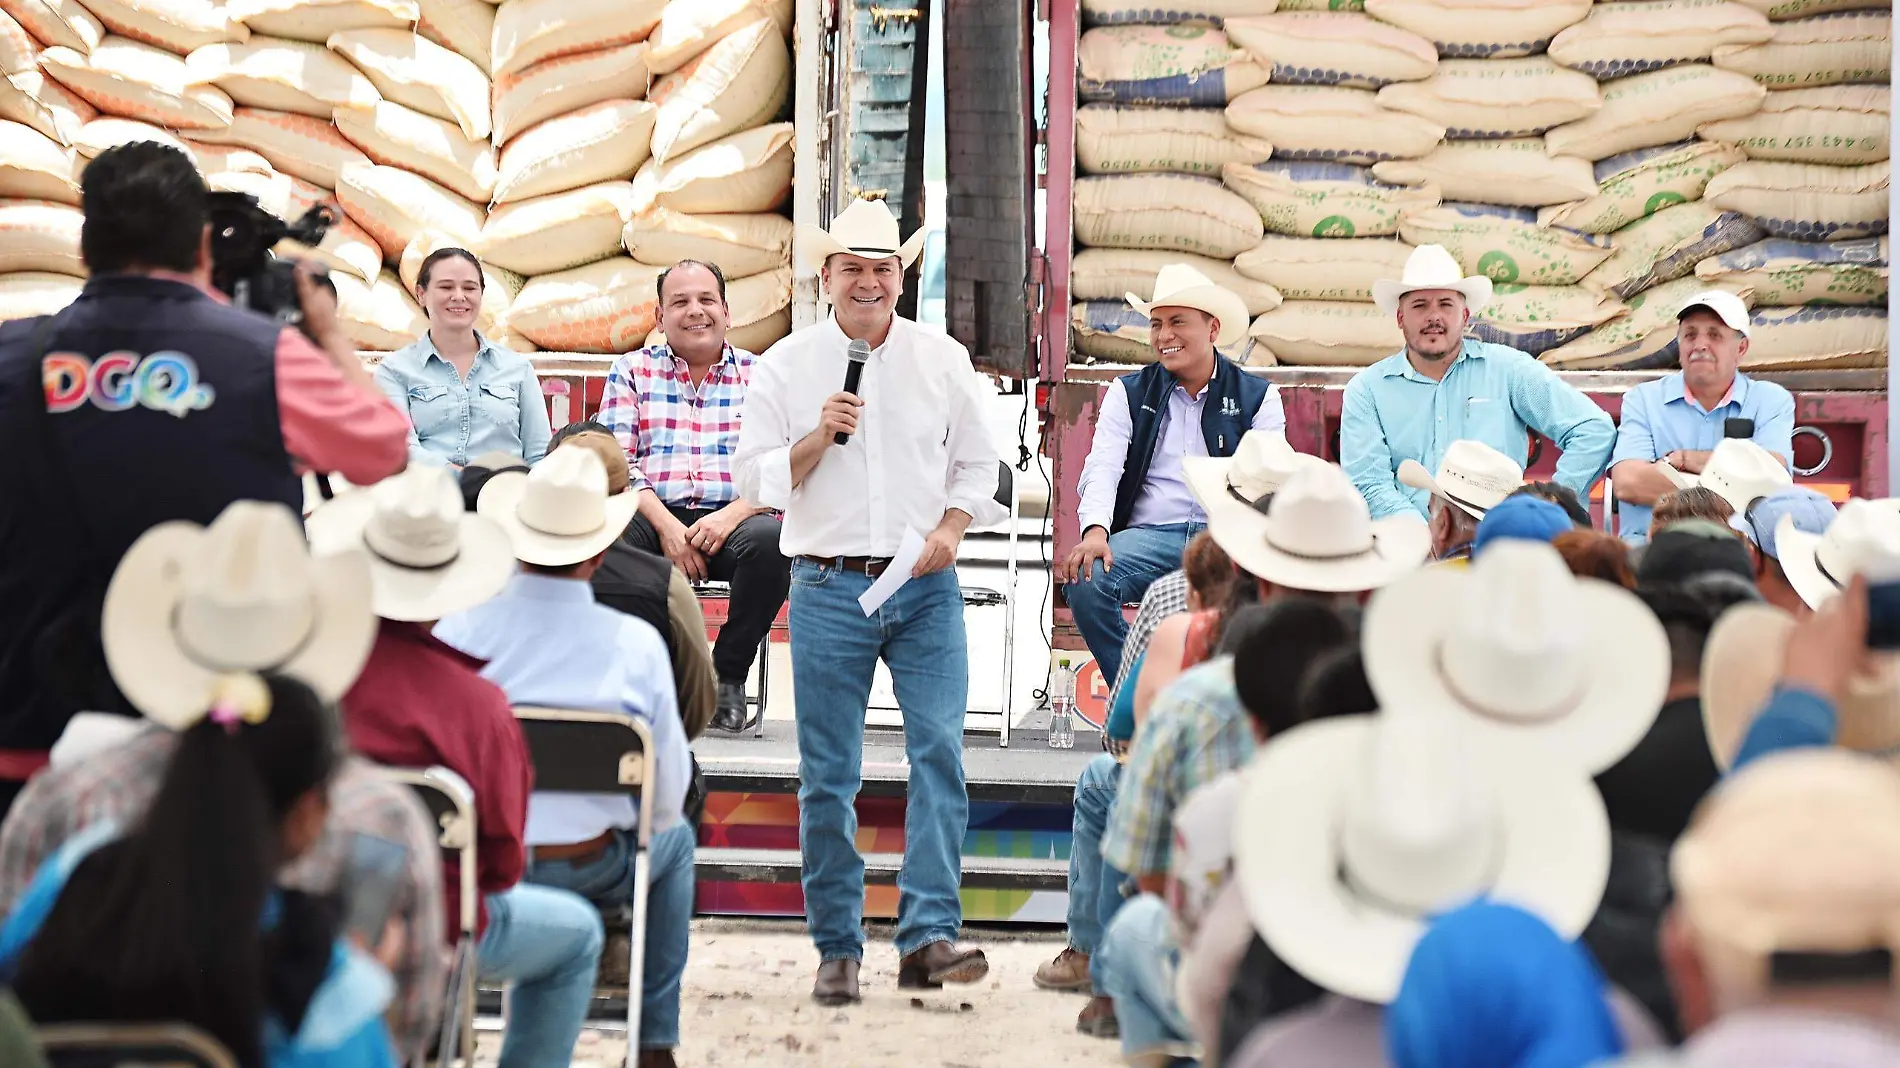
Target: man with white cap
x,y
548,643
905,458
1136,514
1472,479
1786,924
1681,417
1445,387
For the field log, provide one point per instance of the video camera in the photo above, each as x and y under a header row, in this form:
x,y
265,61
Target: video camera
x,y
242,266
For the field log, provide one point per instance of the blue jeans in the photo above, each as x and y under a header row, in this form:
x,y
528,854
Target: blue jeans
x,y
1139,961
545,944
1095,887
1142,555
835,650
607,881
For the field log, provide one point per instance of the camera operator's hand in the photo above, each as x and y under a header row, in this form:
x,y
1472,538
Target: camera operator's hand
x,y
319,305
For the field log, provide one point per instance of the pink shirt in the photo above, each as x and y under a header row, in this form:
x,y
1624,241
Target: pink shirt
x,y
331,424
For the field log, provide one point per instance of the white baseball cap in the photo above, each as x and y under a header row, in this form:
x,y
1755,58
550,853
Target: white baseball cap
x,y
1727,307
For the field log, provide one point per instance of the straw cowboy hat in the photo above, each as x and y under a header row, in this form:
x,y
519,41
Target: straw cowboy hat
x,y
1317,534
1260,465
1431,267
1362,828
428,558
559,512
1742,663
1474,476
1532,661
1738,471
1181,286
1864,539
864,228
191,607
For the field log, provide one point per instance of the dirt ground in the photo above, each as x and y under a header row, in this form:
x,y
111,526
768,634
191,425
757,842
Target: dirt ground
x,y
748,1002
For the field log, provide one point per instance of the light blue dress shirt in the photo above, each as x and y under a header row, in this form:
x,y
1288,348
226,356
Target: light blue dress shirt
x,y
452,419
547,643
1661,417
1491,393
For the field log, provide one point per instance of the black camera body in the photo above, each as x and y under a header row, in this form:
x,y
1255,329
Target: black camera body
x,y
242,265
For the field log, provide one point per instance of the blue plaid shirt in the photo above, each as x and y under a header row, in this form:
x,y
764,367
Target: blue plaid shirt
x,y
679,439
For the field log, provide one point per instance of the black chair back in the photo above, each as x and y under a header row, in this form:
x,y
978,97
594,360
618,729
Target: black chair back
x,y
131,1045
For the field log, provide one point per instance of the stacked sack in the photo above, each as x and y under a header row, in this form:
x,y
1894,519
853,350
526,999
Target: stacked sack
x,y
577,146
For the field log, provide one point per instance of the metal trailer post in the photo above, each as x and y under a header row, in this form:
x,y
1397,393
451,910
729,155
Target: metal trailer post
x,y
1893,323
811,130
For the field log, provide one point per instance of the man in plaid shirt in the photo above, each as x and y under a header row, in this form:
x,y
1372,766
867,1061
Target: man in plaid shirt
x,y
675,407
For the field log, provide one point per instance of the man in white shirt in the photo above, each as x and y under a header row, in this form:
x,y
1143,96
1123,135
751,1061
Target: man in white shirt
x,y
916,461
1136,513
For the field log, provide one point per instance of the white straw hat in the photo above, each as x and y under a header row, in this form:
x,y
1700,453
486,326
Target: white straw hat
x,y
1316,535
1738,471
1360,829
1260,465
1474,476
864,228
1432,267
1532,660
558,512
190,606
1864,539
428,557
1181,286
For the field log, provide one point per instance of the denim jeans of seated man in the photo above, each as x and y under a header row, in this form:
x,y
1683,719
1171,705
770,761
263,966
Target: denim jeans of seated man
x,y
1142,555
607,882
1095,887
919,635
1139,961
545,944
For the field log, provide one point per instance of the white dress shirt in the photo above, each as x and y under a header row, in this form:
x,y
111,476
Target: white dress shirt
x,y
1164,499
920,449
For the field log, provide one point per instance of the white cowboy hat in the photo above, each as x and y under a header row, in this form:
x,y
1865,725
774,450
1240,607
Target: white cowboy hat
x,y
1864,539
1738,471
558,512
190,606
1431,267
428,558
1474,476
1362,828
1260,465
864,228
1316,535
1742,663
1533,661
1181,286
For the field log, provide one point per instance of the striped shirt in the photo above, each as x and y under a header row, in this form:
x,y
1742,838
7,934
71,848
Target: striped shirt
x,y
679,438
1166,596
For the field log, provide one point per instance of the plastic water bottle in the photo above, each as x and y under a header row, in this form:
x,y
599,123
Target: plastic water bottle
x,y
1062,707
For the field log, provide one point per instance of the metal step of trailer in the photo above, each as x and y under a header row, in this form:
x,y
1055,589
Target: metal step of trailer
x,y
979,873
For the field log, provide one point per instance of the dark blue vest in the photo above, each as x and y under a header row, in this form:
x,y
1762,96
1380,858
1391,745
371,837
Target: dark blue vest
x,y
152,402
1233,398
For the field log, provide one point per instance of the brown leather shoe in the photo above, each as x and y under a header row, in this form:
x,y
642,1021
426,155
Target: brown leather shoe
x,y
942,962
1069,971
657,1058
1097,1019
837,983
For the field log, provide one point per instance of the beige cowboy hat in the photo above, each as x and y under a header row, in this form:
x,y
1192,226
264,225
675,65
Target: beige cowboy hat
x,y
1864,539
558,512
1431,267
1360,829
1530,660
1742,662
1317,534
428,558
1474,476
1181,286
190,607
864,228
1260,465
1738,471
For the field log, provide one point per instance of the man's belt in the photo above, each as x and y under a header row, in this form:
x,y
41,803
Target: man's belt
x,y
19,765
574,852
873,566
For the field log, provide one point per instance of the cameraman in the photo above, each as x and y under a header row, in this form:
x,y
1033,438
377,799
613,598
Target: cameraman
x,y
149,399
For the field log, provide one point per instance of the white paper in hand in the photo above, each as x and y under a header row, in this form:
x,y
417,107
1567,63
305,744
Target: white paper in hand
x,y
896,573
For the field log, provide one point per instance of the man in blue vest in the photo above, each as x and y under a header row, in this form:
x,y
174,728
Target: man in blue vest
x,y
149,399
1136,512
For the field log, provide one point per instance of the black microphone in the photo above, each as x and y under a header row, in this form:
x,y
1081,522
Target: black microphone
x,y
1738,428
858,352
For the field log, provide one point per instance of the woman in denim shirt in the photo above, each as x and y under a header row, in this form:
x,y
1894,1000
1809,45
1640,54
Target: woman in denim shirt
x,y
465,395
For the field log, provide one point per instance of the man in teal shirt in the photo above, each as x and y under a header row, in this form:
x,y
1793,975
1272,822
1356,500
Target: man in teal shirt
x,y
1445,387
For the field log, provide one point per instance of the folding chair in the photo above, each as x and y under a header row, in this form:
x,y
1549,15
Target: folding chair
x,y
131,1045
451,800
714,590
579,752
